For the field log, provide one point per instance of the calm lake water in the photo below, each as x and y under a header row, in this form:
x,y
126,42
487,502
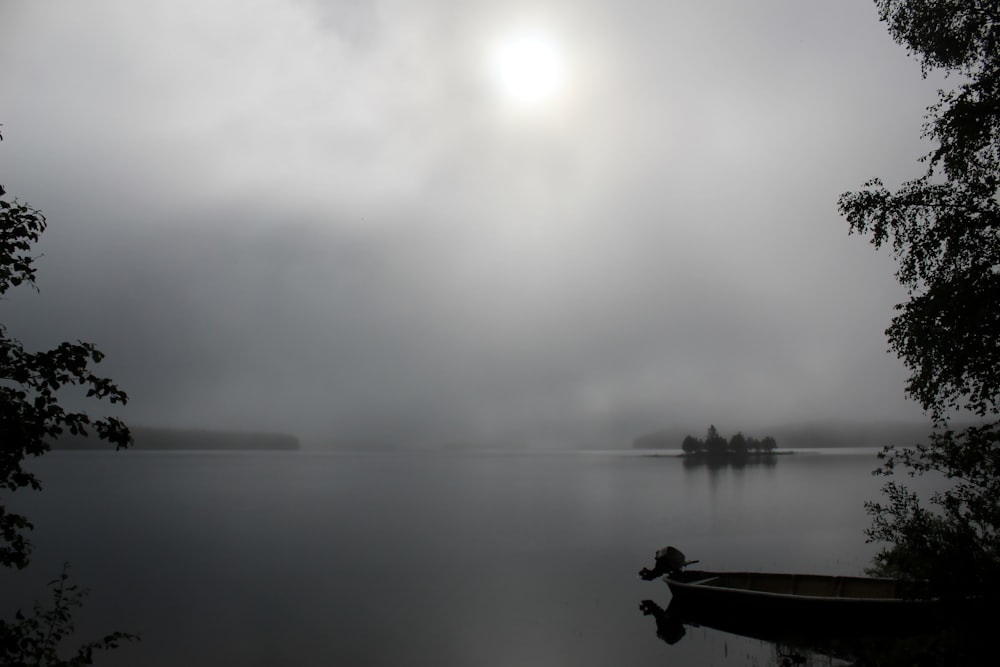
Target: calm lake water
x,y
317,558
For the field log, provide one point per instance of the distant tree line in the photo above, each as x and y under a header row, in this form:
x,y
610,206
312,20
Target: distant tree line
x,y
186,439
715,445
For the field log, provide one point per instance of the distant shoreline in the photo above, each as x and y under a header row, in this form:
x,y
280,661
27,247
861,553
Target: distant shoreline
x,y
166,439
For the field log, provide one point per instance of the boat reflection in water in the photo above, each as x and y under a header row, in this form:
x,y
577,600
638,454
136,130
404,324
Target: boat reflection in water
x,y
798,647
864,621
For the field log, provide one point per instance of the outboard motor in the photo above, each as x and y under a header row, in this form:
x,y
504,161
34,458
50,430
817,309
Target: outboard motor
x,y
668,560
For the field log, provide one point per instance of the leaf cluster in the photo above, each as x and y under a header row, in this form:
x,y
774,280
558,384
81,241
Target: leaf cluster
x,y
31,414
30,417
36,638
956,547
960,37
954,35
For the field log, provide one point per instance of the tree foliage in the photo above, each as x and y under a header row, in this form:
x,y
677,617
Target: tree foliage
x,y
738,444
30,412
715,445
30,417
36,638
691,445
944,231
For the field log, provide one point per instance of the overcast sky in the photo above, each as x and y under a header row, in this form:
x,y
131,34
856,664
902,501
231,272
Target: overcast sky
x,y
329,218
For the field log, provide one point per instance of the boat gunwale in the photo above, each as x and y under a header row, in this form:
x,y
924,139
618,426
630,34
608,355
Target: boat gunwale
x,y
704,585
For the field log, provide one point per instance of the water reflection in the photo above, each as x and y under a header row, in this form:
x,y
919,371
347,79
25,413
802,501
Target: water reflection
x,y
960,640
738,462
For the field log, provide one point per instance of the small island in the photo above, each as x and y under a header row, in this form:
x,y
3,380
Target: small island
x,y
714,446
714,450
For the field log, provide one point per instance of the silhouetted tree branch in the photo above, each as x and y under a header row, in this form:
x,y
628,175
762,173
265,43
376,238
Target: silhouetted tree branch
x,y
31,416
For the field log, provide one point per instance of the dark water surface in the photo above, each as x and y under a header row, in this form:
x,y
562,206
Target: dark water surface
x,y
315,558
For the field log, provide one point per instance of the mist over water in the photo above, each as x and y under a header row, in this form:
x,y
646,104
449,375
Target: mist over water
x,y
318,218
423,558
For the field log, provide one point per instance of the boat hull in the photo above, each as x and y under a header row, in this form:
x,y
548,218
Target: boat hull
x,y
759,601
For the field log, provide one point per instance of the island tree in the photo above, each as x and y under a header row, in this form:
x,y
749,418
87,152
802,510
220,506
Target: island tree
x,y
715,444
943,228
738,445
692,445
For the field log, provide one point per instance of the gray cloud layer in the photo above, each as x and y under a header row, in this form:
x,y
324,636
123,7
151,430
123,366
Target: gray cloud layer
x,y
318,217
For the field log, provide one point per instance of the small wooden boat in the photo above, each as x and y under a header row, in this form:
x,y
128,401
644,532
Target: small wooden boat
x,y
795,597
864,620
790,600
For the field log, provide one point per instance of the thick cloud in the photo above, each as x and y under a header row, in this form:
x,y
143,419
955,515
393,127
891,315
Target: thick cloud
x,y
319,217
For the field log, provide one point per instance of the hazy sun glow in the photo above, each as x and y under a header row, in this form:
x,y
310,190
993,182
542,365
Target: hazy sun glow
x,y
528,67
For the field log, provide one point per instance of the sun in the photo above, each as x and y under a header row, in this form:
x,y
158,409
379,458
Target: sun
x,y
528,68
